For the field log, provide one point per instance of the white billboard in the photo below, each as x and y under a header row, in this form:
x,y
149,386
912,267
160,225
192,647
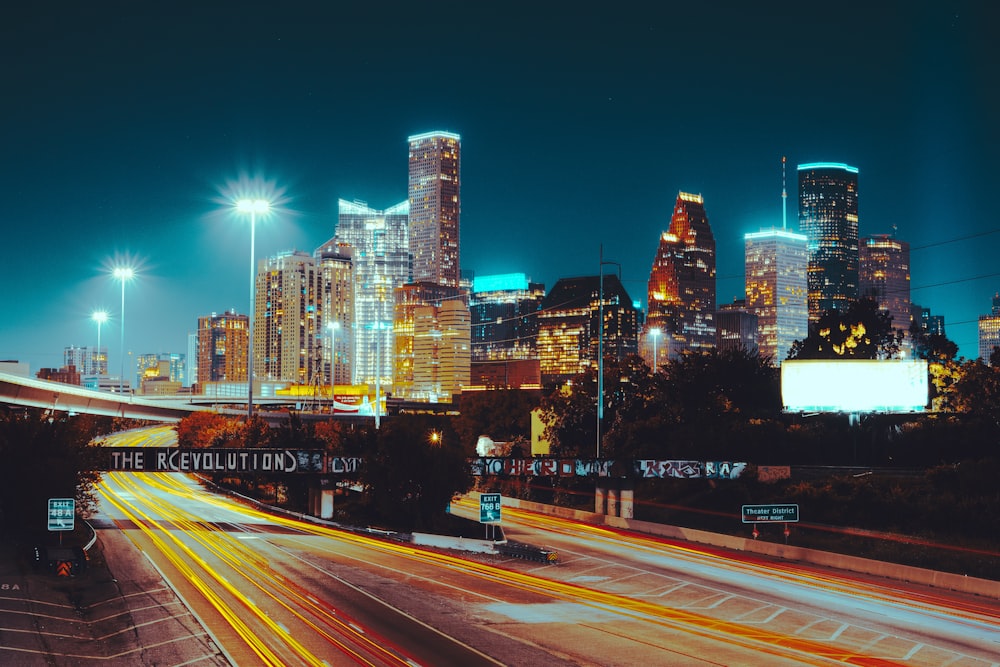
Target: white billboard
x,y
892,385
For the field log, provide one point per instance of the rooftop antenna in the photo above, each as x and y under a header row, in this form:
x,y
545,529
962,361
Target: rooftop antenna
x,y
784,198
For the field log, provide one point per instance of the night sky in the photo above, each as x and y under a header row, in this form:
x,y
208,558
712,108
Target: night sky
x,y
127,126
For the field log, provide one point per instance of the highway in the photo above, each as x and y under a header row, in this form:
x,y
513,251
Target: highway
x,y
280,591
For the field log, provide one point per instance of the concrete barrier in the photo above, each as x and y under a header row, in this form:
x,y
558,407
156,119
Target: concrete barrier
x,y
917,575
448,542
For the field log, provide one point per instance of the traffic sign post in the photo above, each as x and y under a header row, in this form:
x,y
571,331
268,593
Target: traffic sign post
x,y
770,513
489,508
62,513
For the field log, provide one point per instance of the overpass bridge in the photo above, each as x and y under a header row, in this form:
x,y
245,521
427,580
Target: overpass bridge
x,y
57,396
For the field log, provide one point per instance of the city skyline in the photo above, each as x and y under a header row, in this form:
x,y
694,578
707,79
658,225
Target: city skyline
x,y
578,131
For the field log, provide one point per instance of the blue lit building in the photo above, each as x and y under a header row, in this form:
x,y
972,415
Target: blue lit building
x,y
828,216
504,311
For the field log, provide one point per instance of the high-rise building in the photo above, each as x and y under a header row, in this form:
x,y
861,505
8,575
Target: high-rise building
x,y
222,342
87,360
286,324
989,331
775,265
828,216
435,205
505,317
735,327
569,326
681,294
884,276
169,365
407,299
441,351
927,323
336,307
381,258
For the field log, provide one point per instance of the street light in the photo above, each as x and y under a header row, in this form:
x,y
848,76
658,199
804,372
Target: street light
x,y
100,316
124,274
655,332
253,207
600,345
333,326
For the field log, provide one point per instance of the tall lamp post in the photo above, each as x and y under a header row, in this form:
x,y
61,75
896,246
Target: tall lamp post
x,y
333,326
124,274
655,332
600,345
100,316
253,207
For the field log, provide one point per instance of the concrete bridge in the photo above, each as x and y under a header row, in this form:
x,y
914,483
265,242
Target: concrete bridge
x,y
32,393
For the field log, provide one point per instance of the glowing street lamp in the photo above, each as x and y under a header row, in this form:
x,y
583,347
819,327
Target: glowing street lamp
x,y
100,316
253,207
655,332
435,438
124,274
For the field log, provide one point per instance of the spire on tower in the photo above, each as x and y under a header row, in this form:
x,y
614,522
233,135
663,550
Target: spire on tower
x,y
784,197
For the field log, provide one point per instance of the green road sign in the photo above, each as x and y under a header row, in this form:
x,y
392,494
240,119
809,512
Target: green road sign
x,y
62,513
766,513
489,508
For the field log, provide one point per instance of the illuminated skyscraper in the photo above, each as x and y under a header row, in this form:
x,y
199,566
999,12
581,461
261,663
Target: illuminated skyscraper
x,y
381,257
505,317
441,351
407,362
681,295
828,216
287,323
775,263
989,331
222,348
434,191
568,326
884,276
336,307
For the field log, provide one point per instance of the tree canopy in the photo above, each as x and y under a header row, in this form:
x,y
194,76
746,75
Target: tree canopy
x,y
863,331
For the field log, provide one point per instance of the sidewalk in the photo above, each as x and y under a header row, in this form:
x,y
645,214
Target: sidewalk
x,y
117,611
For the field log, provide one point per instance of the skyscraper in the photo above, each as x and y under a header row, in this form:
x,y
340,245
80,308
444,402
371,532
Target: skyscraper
x,y
989,331
222,342
336,307
828,216
407,359
285,334
775,264
434,197
681,294
381,257
884,276
505,317
569,326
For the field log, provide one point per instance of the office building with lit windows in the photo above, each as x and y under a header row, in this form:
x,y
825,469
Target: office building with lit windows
x,y
221,345
435,206
504,311
335,272
775,266
884,276
286,324
828,216
569,326
681,290
989,331
735,327
380,252
407,361
87,360
441,351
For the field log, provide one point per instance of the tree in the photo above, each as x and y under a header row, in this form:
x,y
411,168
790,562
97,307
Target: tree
x,y
410,476
46,455
504,415
863,331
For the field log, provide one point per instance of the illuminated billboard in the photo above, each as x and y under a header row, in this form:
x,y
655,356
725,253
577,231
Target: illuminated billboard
x,y
891,385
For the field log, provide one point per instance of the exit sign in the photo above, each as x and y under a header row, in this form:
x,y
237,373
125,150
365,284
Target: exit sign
x,y
766,513
489,508
62,513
